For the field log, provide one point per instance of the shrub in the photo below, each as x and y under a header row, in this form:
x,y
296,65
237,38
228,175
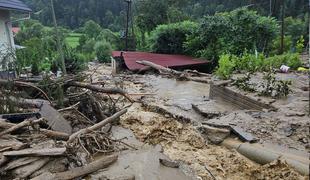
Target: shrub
x,y
103,51
300,44
226,66
111,37
289,59
250,62
170,38
74,61
276,45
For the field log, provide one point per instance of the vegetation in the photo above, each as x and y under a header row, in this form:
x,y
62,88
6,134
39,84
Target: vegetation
x,y
253,63
169,39
103,51
273,87
232,32
235,37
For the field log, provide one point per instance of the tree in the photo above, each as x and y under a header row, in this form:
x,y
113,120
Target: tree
x,y
169,38
92,29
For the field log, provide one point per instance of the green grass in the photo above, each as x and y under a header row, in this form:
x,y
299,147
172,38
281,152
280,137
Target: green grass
x,y
73,39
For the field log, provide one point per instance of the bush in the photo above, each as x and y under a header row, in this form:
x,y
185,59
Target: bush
x,y
226,66
170,38
276,45
255,62
103,51
250,62
289,59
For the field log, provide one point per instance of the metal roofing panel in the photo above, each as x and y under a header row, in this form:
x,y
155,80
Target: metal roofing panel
x,y
14,5
165,60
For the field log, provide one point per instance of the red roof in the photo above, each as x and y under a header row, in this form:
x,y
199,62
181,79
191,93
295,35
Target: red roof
x,y
165,60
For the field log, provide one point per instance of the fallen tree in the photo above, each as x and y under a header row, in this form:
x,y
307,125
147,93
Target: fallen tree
x,y
99,89
186,75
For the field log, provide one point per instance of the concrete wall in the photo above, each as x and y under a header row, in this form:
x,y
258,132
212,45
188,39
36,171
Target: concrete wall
x,y
237,99
6,39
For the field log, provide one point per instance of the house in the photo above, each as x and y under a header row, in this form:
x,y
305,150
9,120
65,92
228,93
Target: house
x,y
7,46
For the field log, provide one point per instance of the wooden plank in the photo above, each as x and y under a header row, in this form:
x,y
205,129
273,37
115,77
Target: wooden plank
x,y
37,152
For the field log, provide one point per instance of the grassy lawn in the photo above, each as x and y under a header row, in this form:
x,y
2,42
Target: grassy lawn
x,y
73,39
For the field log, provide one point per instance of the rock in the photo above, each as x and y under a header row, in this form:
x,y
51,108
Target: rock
x,y
215,135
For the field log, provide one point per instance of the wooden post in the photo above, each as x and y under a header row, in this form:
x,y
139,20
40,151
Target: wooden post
x,y
282,28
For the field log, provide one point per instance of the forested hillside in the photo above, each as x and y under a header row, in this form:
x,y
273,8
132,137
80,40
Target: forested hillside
x,y
250,30
111,13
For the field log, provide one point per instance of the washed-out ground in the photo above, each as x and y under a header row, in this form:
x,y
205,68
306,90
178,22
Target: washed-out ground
x,y
164,115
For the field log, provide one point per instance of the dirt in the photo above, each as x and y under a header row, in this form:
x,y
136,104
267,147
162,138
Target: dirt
x,y
289,125
158,122
181,142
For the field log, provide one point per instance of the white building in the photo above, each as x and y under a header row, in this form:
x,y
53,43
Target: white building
x,y
7,46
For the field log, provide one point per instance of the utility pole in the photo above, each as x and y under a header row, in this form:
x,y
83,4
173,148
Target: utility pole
x,y
127,23
282,27
59,46
270,7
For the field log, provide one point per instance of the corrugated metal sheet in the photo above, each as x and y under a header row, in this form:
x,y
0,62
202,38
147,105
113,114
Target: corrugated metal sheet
x,y
14,5
171,61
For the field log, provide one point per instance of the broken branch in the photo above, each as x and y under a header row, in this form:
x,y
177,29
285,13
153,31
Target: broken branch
x,y
99,89
48,133
23,84
21,125
97,126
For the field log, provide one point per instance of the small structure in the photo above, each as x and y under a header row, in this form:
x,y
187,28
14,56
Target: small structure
x,y
7,46
166,60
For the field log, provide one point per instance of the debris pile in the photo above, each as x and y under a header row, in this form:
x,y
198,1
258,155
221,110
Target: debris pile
x,y
40,140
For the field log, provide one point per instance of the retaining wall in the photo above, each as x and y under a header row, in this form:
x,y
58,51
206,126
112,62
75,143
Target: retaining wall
x,y
237,99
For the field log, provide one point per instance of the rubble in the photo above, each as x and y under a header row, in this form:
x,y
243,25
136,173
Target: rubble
x,y
140,127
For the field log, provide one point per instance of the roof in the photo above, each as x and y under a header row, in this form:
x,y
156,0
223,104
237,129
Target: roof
x,y
14,5
171,61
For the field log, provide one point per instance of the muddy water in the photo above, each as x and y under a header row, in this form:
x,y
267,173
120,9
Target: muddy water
x,y
142,163
181,93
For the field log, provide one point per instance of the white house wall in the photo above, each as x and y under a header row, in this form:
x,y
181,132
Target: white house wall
x,y
6,38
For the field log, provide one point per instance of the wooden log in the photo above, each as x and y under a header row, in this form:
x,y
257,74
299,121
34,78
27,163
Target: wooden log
x,y
97,126
54,166
10,143
100,89
55,134
25,171
80,171
21,125
28,103
3,160
37,152
167,71
20,162
161,69
49,133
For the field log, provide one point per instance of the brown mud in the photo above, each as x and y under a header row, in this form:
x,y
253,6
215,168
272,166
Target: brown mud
x,y
181,141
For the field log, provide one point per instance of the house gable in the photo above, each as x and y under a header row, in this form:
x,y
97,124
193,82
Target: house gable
x,y
14,5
